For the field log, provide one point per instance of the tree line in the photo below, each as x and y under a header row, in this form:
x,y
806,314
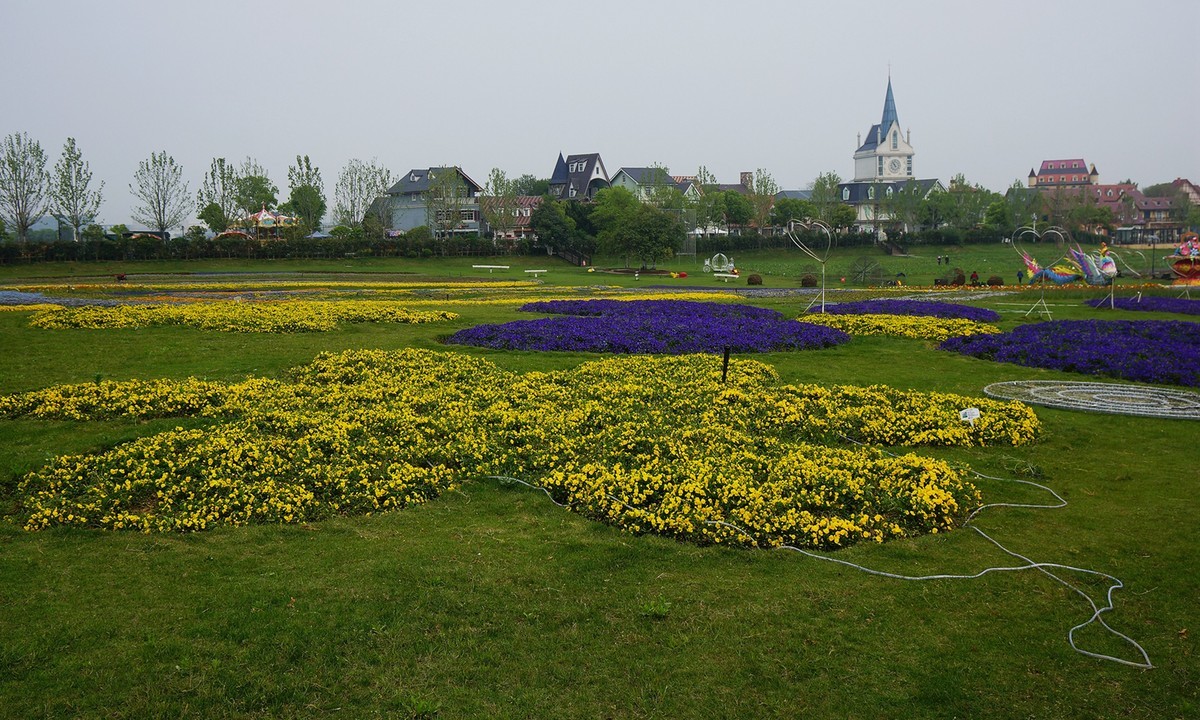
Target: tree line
x,y
645,228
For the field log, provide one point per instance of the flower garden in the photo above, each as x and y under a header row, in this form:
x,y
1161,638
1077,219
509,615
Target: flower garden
x,y
648,444
309,513
282,316
1150,303
1154,351
650,326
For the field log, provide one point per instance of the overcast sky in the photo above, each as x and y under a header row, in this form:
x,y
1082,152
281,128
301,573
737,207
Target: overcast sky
x,y
988,89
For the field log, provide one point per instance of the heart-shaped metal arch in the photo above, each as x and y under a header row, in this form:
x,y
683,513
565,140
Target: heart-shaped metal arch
x,y
822,259
1061,238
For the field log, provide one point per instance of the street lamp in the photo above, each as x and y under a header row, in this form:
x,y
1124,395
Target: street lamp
x,y
1153,253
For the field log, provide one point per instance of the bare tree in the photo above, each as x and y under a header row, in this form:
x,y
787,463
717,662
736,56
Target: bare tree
x,y
159,188
71,200
24,183
359,185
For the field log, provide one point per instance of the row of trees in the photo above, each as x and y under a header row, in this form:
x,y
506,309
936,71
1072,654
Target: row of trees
x,y
228,192
28,190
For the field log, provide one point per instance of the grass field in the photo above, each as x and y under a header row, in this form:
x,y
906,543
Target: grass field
x,y
493,602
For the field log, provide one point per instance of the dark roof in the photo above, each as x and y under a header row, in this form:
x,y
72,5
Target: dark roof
x,y
736,187
578,171
794,194
559,176
416,181
646,175
872,139
858,190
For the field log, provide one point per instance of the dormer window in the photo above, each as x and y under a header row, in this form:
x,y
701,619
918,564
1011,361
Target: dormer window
x,y
846,193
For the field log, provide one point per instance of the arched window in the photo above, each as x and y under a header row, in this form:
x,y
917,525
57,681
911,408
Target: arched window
x,y
871,192
895,138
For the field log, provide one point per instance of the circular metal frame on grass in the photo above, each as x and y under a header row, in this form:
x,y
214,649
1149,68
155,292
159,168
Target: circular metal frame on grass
x,y
1112,398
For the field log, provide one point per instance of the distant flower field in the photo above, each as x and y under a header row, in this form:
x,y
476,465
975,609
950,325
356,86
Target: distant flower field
x,y
650,326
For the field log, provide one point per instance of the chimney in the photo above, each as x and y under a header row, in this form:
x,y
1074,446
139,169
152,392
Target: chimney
x,y
747,180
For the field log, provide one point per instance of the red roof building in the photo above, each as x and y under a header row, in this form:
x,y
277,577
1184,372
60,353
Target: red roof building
x,y
1064,173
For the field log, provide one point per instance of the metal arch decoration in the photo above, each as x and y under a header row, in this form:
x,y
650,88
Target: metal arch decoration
x,y
821,258
1056,271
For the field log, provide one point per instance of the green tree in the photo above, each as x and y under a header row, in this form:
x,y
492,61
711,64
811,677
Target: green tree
x,y
657,235
613,214
530,186
788,210
218,190
903,205
72,201
550,223
92,233
160,191
762,196
24,183
1024,203
499,204
842,217
253,189
998,218
306,196
215,218
825,196
738,209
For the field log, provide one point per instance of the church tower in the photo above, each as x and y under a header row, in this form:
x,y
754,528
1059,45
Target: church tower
x,y
885,155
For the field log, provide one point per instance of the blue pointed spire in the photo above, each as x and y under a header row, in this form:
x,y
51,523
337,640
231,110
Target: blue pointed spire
x,y
889,109
560,172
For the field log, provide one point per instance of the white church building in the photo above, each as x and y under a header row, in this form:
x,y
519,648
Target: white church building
x,y
883,166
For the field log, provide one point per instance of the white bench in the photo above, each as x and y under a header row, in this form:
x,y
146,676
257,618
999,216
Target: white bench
x,y
535,273
725,276
490,268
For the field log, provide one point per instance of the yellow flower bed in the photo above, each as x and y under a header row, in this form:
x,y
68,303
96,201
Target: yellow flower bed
x,y
31,306
925,328
278,317
183,285
651,444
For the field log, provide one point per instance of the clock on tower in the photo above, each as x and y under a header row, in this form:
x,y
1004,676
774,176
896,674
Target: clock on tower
x,y
894,166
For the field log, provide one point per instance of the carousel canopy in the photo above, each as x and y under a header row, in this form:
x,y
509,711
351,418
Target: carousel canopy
x,y
269,218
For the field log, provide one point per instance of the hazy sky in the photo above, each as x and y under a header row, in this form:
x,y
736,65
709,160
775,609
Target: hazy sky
x,y
988,89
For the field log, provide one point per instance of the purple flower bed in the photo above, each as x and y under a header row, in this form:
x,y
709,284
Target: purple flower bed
x,y
1152,304
1154,351
913,307
670,327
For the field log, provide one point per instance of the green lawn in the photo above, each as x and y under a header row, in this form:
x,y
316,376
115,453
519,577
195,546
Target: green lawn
x,y
493,602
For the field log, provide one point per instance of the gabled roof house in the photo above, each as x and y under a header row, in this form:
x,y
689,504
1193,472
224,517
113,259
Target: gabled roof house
x,y
578,177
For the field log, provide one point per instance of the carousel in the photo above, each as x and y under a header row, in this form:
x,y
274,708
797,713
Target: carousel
x,y
262,225
1185,261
